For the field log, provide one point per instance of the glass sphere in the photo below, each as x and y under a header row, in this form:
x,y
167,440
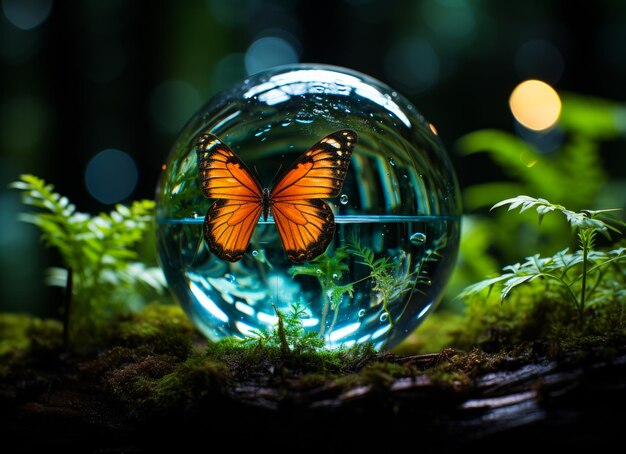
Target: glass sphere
x,y
396,218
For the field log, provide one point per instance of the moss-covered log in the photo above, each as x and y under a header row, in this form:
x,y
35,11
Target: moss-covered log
x,y
153,384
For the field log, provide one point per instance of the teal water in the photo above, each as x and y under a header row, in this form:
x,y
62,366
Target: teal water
x,y
234,299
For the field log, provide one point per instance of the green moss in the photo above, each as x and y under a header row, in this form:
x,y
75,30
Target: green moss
x,y
532,315
157,385
457,369
437,332
247,359
21,332
382,374
161,329
24,338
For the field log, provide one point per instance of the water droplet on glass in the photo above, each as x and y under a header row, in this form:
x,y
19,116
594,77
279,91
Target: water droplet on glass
x,y
255,253
229,277
392,162
418,238
361,313
383,317
343,199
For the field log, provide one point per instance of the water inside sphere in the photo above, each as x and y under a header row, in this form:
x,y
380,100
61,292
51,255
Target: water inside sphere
x,y
396,221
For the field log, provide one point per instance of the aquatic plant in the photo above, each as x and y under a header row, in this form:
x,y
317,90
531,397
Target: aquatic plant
x,y
101,273
328,270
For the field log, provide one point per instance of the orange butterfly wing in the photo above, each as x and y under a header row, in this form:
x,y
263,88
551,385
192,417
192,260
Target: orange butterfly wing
x,y
305,223
230,221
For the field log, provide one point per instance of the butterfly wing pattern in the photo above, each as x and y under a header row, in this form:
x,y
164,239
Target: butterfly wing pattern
x,y
230,221
305,223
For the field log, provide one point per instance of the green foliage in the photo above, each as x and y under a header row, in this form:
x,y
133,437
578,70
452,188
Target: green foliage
x,y
97,251
573,173
592,220
593,118
289,335
328,270
381,273
569,271
557,176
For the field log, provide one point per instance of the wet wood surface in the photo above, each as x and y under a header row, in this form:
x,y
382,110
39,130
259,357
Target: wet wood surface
x,y
574,405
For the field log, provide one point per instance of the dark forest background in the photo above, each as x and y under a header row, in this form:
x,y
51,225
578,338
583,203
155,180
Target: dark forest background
x,y
80,77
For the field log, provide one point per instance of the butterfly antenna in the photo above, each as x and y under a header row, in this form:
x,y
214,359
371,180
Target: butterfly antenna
x,y
276,174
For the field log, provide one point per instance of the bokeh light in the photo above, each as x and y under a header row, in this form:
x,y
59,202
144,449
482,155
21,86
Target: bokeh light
x,y
23,122
26,14
231,12
449,19
412,65
16,45
267,52
172,103
547,141
111,176
536,105
227,71
539,59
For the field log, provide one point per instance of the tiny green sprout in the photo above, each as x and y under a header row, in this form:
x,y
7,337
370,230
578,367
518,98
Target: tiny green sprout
x,y
570,270
288,335
101,273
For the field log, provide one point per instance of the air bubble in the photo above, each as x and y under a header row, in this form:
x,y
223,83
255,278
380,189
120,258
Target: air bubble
x,y
383,317
392,163
344,199
418,238
255,253
194,215
229,277
335,276
318,271
361,313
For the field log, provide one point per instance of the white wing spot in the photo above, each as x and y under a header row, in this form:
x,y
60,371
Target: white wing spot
x,y
332,142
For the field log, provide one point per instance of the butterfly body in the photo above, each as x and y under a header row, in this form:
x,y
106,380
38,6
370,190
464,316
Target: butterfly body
x,y
266,203
305,223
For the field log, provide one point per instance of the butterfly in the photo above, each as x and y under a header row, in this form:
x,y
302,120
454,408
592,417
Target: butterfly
x,y
305,223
